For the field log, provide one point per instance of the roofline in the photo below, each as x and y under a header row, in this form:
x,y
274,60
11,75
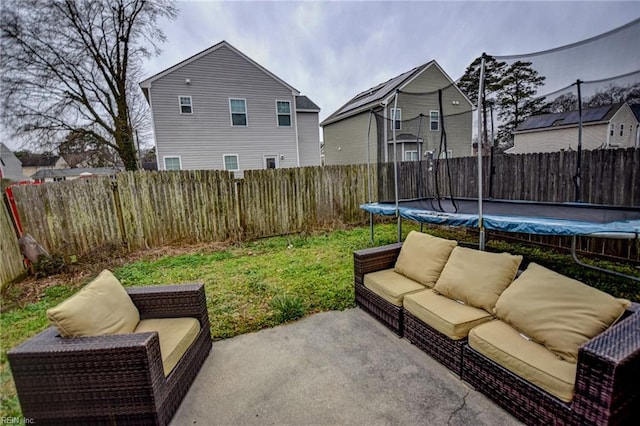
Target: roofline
x,y
566,126
307,110
419,72
146,84
383,102
611,113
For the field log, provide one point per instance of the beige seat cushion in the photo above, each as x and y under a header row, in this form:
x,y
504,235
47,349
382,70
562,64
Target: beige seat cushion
x,y
423,256
533,362
476,277
447,316
101,307
175,335
556,311
390,285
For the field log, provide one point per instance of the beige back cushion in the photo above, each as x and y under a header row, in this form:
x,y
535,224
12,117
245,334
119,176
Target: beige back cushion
x,y
101,307
423,256
556,311
476,277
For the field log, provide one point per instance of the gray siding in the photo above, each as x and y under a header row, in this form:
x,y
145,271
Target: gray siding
x,y
345,140
12,167
457,117
308,138
202,138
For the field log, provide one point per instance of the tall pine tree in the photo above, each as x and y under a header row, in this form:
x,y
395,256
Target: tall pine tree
x,y
515,97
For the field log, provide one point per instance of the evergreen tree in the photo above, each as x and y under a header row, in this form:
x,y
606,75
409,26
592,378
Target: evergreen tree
x,y
515,98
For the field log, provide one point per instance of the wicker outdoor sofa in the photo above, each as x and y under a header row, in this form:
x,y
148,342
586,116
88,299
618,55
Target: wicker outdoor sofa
x,y
112,379
607,378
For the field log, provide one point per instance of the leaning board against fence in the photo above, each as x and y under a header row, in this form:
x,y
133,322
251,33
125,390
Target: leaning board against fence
x,y
11,265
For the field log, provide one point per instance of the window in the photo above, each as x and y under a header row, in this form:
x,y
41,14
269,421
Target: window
x,y
434,121
396,116
238,109
185,105
270,162
622,130
284,113
611,128
448,154
411,156
59,178
231,162
172,163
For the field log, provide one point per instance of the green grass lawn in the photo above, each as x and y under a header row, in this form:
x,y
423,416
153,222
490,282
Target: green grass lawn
x,y
267,282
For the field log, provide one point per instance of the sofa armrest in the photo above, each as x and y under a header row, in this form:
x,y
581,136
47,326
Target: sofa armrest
x,y
374,259
171,301
85,372
606,389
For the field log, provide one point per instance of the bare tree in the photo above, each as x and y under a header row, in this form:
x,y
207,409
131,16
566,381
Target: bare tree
x,y
72,66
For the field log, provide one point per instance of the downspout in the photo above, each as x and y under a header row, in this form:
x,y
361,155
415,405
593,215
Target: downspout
x,y
153,129
295,113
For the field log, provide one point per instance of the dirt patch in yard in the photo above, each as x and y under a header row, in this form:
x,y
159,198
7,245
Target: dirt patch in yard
x,y
77,273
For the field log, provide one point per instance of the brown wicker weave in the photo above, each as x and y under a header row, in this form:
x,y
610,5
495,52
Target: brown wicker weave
x,y
116,379
607,389
445,350
372,260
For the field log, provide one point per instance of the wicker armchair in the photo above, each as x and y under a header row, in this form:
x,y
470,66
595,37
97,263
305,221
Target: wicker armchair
x,y
115,379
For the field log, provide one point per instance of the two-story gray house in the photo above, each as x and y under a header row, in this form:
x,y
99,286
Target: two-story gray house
x,y
219,109
415,114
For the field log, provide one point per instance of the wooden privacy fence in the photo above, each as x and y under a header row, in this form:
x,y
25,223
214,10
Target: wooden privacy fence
x,y
608,177
11,266
151,209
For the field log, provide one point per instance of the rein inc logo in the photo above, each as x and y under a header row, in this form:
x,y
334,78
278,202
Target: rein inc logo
x,y
17,421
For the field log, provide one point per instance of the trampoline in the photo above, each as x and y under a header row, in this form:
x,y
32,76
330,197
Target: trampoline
x,y
561,219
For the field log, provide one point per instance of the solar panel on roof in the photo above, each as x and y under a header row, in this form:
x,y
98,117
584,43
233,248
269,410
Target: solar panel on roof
x,y
539,121
591,114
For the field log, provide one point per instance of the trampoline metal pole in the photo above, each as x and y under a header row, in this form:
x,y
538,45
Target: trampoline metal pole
x,y
481,239
578,177
369,173
395,164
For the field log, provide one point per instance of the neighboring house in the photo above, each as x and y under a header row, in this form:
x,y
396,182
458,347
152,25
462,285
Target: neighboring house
x,y
220,109
604,127
346,130
32,164
10,165
57,175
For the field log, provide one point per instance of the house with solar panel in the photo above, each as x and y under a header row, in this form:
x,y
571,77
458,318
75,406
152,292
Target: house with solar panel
x,y
420,113
219,109
604,127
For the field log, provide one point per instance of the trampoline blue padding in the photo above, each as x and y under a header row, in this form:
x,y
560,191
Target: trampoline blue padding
x,y
563,219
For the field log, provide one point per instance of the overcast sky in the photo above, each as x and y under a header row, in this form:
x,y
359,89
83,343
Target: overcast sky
x,y
331,50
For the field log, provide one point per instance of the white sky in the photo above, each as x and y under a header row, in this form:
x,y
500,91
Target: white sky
x,y
331,50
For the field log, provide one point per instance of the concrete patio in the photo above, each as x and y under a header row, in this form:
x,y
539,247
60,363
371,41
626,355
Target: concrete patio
x,y
331,368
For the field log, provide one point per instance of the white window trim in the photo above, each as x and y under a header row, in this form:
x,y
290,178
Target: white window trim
x,y
410,151
180,105
279,114
431,121
393,121
224,163
246,112
449,153
264,160
164,161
